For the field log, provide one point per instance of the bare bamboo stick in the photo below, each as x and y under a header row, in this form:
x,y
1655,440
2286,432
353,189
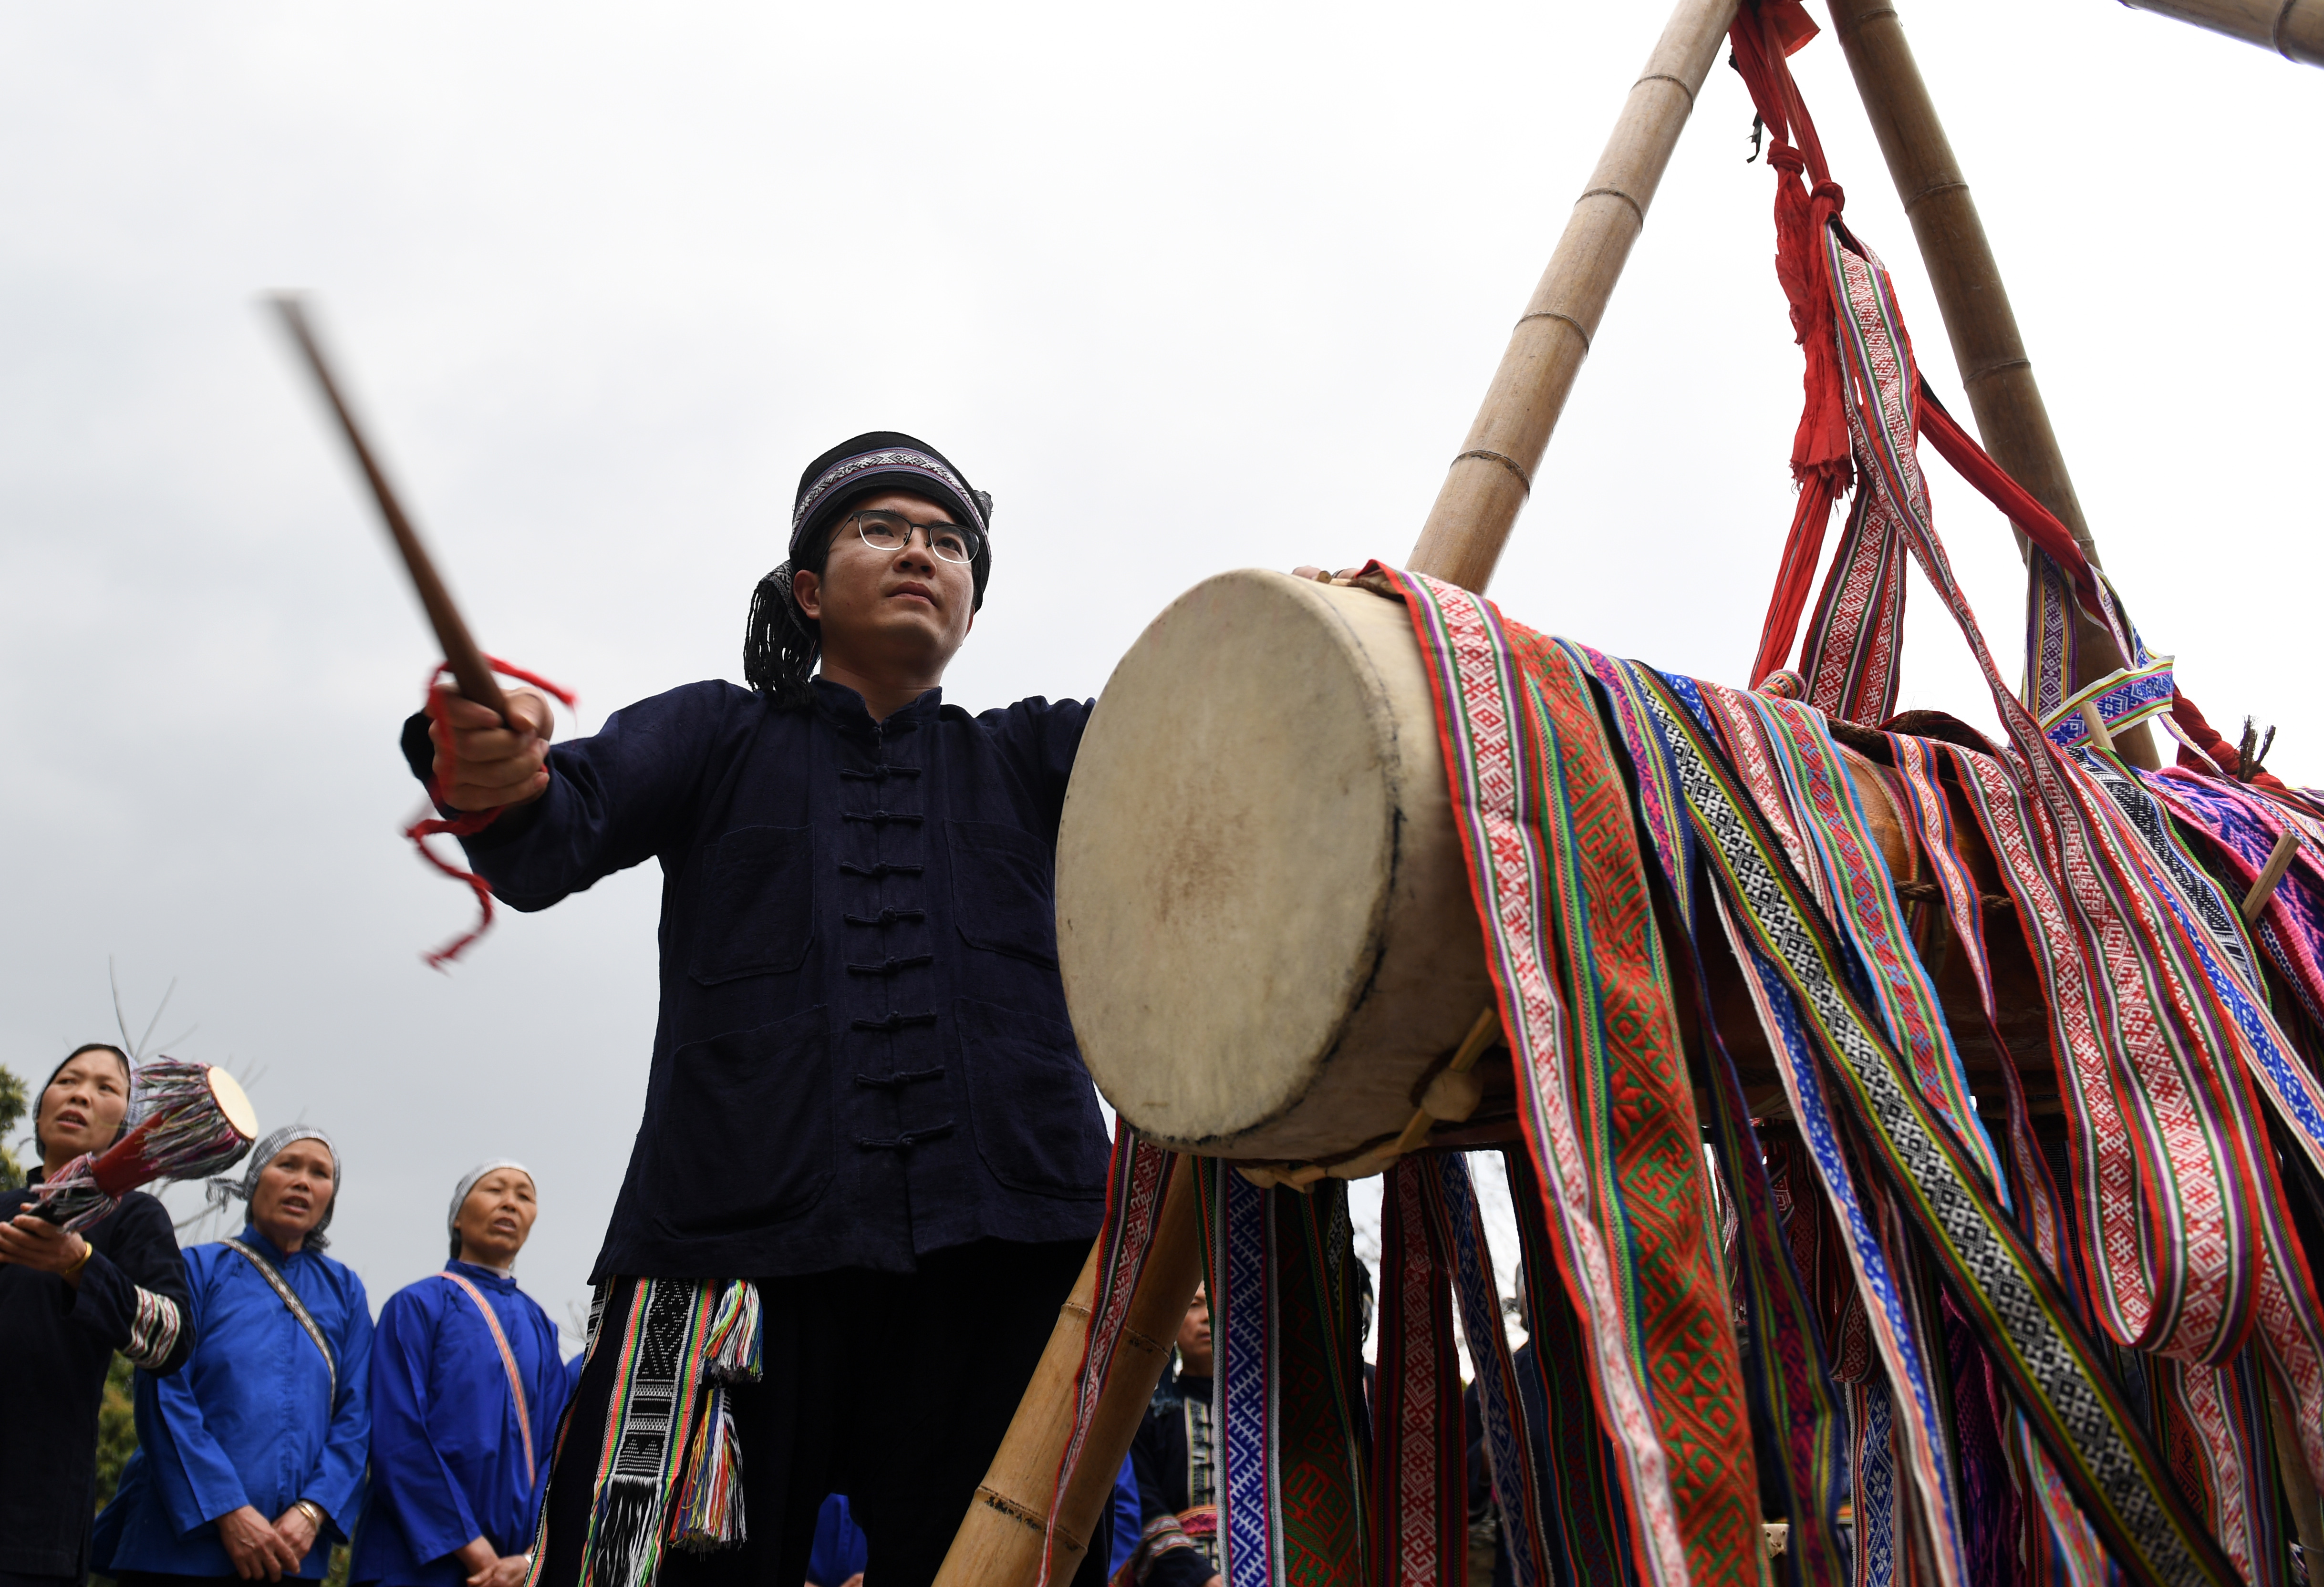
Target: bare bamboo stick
x,y
2293,29
1001,1539
2003,396
1491,478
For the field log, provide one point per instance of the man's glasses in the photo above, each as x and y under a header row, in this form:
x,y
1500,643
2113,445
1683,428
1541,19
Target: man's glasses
x,y
891,531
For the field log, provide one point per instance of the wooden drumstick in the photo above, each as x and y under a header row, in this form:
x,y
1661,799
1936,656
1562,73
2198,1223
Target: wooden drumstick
x,y
465,661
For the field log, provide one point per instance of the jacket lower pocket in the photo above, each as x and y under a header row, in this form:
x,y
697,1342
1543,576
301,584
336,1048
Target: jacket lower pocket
x,y
742,1138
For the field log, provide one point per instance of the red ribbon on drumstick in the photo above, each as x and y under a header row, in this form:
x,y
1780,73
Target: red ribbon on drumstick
x,y
476,673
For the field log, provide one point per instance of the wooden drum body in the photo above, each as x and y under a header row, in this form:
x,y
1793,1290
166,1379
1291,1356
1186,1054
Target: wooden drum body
x,y
1264,920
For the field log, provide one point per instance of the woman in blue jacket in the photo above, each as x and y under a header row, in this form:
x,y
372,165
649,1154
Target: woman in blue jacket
x,y
250,1460
466,1388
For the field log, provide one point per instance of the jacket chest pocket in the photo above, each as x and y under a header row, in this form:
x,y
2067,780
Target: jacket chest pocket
x,y
756,914
1001,892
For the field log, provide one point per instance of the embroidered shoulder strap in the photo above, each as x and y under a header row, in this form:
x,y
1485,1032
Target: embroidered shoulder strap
x,y
290,1299
508,1364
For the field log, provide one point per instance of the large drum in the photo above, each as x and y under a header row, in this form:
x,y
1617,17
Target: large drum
x,y
1263,919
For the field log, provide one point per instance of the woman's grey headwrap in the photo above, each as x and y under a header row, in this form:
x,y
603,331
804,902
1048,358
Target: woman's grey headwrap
x,y
468,1183
221,1191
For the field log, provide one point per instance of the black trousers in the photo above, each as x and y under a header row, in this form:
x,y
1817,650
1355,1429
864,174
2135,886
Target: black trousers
x,y
893,1389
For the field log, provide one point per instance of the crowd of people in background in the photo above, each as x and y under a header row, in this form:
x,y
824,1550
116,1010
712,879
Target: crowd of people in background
x,y
276,1420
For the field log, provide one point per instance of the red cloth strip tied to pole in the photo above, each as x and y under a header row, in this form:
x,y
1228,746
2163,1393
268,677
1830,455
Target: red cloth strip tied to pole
x,y
466,825
1763,36
1822,463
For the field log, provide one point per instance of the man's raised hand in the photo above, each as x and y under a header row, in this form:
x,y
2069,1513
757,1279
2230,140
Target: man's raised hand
x,y
482,764
1347,577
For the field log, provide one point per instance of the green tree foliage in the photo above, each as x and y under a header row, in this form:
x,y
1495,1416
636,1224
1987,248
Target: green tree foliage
x,y
116,1430
14,1101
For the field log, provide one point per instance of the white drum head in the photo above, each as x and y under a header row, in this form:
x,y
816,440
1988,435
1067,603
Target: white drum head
x,y
1256,816
235,1104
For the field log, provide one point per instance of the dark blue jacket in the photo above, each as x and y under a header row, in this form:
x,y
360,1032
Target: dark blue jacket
x,y
56,1343
864,1052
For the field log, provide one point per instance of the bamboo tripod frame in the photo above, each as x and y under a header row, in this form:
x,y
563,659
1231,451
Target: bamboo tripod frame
x,y
2293,29
1001,1541
1002,1538
1488,483
2004,397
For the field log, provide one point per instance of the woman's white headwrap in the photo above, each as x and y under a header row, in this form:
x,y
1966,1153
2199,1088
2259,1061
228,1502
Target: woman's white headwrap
x,y
468,1183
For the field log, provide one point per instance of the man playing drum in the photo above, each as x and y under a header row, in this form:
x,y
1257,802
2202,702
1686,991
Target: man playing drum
x,y
865,1097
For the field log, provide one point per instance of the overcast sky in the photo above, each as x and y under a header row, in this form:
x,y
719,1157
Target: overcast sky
x,y
1187,289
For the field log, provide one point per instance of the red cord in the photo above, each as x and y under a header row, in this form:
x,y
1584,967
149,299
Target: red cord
x,y
1807,203
466,825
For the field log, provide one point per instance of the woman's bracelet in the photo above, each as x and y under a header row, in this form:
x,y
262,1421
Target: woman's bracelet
x,y
313,1512
81,1261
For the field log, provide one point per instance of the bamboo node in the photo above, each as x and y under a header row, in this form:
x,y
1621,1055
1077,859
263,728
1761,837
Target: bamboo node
x,y
1933,190
2275,34
1663,77
1579,329
1636,208
2000,366
1014,1510
1509,463
1138,1341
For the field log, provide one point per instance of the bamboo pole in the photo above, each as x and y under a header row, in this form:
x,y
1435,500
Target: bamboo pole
x,y
2003,396
1493,473
2293,29
1001,1539
2292,1473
